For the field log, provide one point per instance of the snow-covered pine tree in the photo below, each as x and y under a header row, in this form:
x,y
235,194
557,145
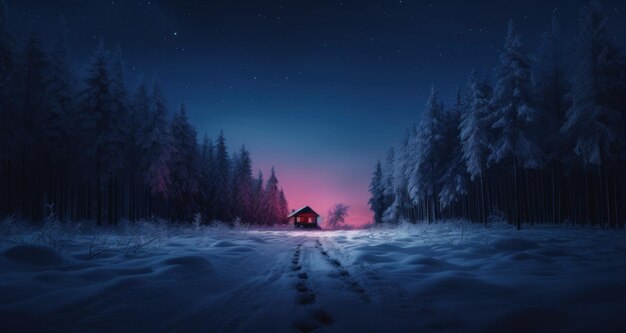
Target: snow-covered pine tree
x,y
596,120
514,115
388,180
423,180
388,186
593,121
474,127
376,189
453,178
398,168
474,132
183,164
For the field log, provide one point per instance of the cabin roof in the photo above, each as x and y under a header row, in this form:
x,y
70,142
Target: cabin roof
x,y
305,209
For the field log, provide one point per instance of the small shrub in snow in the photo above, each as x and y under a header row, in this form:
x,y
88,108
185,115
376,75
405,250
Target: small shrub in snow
x,y
49,233
13,230
55,234
239,225
144,234
197,222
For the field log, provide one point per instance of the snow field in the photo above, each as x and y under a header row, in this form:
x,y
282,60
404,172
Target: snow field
x,y
445,277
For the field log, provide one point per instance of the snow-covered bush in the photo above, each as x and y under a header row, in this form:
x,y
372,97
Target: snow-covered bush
x,y
54,233
239,225
143,234
12,229
197,222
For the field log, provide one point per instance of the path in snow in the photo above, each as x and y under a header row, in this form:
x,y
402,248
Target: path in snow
x,y
441,278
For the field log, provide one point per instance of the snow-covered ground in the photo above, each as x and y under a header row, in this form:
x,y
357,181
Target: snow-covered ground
x,y
438,278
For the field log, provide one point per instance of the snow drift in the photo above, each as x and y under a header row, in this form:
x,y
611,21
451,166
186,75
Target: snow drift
x,y
438,278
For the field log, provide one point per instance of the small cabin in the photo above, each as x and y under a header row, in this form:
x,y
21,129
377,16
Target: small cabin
x,y
304,217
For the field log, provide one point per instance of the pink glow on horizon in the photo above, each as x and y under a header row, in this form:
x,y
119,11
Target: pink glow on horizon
x,y
320,190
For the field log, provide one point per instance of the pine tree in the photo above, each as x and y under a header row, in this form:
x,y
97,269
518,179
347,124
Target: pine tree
x,y
258,195
453,179
283,206
398,168
121,119
222,181
551,90
156,145
99,125
513,114
207,189
474,132
377,199
242,186
272,197
61,86
32,92
512,104
183,164
593,122
389,170
423,177
596,120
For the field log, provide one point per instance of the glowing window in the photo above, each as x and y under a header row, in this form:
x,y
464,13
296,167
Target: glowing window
x,y
298,219
310,219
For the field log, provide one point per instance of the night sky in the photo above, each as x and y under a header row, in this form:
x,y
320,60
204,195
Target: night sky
x,y
319,89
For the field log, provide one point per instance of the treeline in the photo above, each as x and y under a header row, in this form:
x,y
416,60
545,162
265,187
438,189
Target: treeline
x,y
87,145
542,141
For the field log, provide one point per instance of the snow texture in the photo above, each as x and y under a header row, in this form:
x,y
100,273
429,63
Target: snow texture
x,y
445,277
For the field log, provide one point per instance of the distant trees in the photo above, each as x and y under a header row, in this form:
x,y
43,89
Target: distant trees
x,y
545,144
337,215
277,209
96,150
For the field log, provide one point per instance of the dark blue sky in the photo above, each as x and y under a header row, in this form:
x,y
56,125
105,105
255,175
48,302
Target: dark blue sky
x,y
320,89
